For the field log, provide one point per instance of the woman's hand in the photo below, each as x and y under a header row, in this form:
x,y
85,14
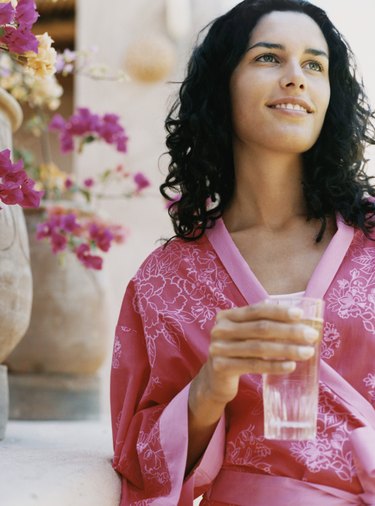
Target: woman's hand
x,y
262,338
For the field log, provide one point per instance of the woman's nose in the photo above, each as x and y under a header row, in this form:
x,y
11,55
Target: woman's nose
x,y
293,77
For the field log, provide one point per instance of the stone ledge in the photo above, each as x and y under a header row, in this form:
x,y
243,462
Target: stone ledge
x,y
59,464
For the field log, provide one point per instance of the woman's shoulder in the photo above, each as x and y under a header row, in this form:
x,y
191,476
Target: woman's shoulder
x,y
175,258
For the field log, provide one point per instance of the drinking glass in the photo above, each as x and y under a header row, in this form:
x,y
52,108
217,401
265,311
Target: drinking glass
x,y
291,400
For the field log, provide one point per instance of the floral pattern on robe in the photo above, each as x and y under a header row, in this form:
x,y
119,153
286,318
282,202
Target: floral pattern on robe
x,y
162,340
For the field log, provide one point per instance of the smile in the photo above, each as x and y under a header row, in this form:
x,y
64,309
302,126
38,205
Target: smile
x,y
289,107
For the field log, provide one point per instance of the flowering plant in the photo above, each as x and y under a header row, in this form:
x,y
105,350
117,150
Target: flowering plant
x,y
81,232
71,220
73,226
28,64
21,47
16,38
15,186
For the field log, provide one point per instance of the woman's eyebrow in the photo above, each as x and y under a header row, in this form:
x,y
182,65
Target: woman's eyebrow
x,y
271,45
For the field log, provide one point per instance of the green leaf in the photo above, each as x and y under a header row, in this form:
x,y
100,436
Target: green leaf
x,y
86,194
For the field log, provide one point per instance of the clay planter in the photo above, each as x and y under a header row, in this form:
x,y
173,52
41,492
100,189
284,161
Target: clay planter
x,y
69,328
15,272
15,279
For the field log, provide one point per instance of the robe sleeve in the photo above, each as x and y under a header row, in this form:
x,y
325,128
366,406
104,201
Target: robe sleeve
x,y
150,431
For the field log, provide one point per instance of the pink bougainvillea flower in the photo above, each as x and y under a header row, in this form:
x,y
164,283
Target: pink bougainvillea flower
x,y
19,40
43,230
31,197
7,13
78,232
9,171
101,236
57,122
58,241
91,261
68,183
112,132
141,181
121,144
89,182
16,187
68,222
26,13
83,123
66,142
11,194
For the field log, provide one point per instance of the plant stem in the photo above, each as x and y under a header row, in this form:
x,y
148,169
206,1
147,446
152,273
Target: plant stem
x,y
44,139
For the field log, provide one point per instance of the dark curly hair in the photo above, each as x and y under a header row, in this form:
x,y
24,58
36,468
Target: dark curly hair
x,y
199,127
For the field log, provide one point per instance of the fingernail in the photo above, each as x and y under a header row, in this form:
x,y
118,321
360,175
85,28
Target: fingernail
x,y
310,333
306,351
295,312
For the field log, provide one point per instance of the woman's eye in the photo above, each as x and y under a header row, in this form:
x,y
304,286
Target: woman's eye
x,y
314,65
267,58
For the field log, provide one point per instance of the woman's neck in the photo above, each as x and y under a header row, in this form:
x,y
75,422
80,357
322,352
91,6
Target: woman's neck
x,y
268,190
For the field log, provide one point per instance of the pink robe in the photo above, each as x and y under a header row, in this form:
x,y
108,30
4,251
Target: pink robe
x,y
162,338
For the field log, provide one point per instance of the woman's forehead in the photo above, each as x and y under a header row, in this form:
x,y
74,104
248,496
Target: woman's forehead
x,y
290,27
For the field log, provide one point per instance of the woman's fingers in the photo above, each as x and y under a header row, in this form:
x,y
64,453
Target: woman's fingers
x,y
238,366
261,311
258,339
260,349
226,329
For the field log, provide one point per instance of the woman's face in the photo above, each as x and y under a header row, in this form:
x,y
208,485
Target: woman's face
x,y
280,90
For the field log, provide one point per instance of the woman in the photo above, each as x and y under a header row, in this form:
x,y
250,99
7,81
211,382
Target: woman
x,y
266,144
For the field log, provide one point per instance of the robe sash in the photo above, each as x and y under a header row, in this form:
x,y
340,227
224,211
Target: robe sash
x,y
241,489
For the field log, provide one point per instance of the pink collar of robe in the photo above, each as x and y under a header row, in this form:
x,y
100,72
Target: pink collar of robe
x,y
247,282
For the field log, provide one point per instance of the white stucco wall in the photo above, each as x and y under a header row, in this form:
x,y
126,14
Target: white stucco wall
x,y
142,108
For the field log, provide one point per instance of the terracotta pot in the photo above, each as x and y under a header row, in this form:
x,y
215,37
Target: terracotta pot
x,y
70,327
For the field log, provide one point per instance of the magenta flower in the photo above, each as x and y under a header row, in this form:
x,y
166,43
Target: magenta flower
x,y
83,123
11,172
16,187
7,13
26,13
112,132
89,182
19,40
68,229
88,260
101,236
57,122
68,222
68,183
66,142
141,181
11,194
31,197
58,241
43,230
